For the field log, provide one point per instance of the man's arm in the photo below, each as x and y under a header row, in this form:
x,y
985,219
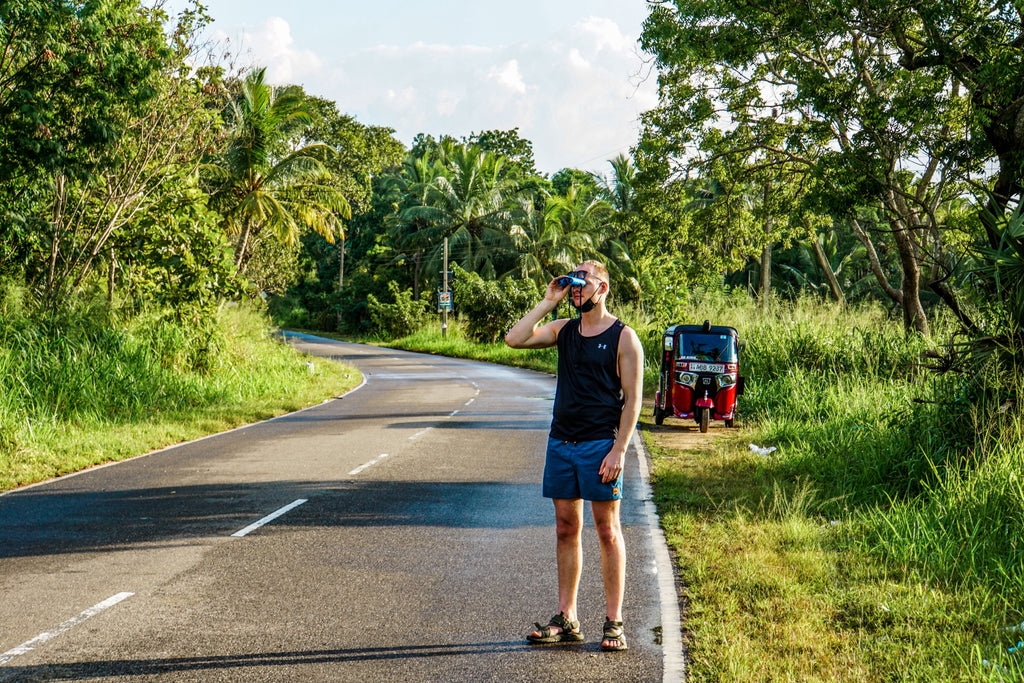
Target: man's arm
x,y
525,333
631,375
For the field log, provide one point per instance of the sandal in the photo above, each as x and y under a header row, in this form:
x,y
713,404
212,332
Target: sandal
x,y
614,636
569,633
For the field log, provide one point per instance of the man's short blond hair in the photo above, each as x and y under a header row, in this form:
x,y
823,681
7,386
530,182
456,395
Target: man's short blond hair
x,y
599,270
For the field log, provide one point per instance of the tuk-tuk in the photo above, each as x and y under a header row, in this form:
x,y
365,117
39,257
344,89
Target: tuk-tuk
x,y
699,374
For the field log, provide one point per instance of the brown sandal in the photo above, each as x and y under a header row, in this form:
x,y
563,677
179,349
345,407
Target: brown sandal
x,y
614,635
569,633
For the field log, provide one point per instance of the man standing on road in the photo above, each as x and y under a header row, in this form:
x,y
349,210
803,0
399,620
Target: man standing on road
x,y
597,404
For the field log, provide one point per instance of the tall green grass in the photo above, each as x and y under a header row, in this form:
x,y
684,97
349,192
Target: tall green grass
x,y
82,387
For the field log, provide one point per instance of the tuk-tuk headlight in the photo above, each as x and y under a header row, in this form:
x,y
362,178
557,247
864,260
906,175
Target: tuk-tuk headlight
x,y
686,378
669,343
725,381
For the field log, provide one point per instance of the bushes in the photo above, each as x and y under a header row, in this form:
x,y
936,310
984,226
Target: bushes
x,y
490,308
402,316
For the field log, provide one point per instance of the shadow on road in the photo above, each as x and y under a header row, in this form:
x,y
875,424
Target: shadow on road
x,y
49,522
143,667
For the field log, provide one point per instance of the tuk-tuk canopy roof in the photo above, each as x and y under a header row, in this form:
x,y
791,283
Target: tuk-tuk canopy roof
x,y
697,342
713,329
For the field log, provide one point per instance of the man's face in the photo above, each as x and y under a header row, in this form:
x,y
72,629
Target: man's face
x,y
581,294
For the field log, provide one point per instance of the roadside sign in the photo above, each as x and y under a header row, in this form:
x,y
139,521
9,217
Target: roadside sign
x,y
444,301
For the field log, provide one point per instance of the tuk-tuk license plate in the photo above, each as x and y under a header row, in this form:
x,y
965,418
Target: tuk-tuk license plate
x,y
707,367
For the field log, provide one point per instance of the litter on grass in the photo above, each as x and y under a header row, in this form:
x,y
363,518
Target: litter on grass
x,y
763,450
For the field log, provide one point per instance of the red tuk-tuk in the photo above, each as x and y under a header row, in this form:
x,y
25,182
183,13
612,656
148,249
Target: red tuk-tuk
x,y
699,374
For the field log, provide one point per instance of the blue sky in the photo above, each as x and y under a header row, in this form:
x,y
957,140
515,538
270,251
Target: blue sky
x,y
568,73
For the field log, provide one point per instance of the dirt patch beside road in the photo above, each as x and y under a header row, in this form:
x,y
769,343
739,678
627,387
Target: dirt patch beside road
x,y
679,435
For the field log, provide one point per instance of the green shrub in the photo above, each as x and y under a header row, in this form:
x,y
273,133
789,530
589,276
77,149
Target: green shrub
x,y
488,308
402,316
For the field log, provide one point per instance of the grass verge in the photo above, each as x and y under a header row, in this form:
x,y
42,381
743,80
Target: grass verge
x,y
775,590
74,398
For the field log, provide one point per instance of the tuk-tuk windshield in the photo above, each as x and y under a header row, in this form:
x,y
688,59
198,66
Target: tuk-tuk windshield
x,y
717,348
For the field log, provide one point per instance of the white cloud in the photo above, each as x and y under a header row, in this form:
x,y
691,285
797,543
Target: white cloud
x,y
272,45
604,34
576,97
508,76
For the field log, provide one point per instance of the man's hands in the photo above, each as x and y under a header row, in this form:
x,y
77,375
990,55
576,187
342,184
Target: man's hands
x,y
556,292
611,466
526,334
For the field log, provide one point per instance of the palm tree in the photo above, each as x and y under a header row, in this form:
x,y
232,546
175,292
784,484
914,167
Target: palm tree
x,y
543,248
620,189
581,225
258,184
468,200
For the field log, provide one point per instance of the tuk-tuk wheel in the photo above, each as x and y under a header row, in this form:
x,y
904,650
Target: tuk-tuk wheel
x,y
704,418
729,423
659,417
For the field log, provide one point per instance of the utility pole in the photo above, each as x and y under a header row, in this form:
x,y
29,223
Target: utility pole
x,y
445,300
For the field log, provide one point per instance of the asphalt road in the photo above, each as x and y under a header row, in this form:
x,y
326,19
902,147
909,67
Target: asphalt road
x,y
411,543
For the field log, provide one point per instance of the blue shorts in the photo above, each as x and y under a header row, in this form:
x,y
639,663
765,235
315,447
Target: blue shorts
x,y
570,471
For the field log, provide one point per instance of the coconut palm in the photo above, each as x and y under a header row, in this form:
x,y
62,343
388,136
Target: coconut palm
x,y
258,184
580,225
468,200
620,189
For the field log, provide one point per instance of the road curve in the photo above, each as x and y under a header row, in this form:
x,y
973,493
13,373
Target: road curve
x,y
394,534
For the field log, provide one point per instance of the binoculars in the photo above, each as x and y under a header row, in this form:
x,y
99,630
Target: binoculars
x,y
567,280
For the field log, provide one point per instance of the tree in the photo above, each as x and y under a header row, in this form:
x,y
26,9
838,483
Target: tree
x,y
361,152
825,101
467,201
71,74
157,122
981,47
565,178
586,223
258,184
517,151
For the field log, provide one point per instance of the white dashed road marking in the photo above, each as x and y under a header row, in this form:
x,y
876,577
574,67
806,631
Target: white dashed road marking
x,y
269,518
30,645
367,464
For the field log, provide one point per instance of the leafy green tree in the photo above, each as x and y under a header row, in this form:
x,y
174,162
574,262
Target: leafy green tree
x,y
398,317
517,151
565,178
361,152
825,101
587,221
258,185
491,307
85,215
73,73
980,47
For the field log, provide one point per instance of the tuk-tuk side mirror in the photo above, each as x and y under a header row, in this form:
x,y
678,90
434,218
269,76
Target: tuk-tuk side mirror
x,y
669,342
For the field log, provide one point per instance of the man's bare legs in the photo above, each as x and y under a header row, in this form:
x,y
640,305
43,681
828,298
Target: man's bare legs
x,y
613,555
568,553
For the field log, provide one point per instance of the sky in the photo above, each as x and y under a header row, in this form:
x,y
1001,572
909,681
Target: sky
x,y
568,73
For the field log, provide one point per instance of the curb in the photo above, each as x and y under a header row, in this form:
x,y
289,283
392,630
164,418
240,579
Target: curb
x,y
674,661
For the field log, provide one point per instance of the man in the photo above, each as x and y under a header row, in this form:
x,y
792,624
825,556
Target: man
x,y
597,404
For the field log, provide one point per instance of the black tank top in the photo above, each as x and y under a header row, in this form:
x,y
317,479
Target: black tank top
x,y
588,396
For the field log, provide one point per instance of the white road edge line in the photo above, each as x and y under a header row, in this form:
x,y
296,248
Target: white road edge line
x,y
269,518
367,464
30,645
674,661
453,413
469,401
420,433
